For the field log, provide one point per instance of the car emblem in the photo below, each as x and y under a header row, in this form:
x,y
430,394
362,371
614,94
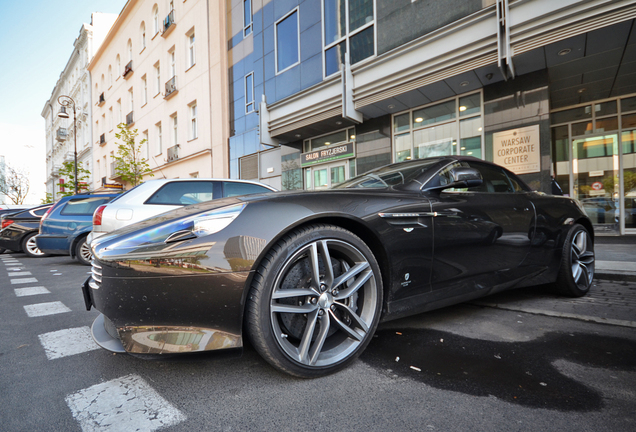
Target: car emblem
x,y
407,276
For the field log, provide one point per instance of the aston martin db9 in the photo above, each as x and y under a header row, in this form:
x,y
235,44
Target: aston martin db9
x,y
307,276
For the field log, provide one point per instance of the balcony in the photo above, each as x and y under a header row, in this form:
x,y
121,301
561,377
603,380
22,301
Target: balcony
x,y
61,134
171,87
130,118
168,24
128,70
102,139
101,100
173,153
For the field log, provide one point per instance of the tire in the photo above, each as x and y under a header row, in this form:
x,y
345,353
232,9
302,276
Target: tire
x,y
83,252
577,263
30,248
310,326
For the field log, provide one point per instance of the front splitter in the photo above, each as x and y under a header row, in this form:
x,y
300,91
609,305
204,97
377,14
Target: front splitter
x,y
103,339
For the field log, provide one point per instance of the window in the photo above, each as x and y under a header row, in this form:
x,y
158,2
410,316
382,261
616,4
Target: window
x,y
110,119
159,139
110,76
247,17
118,63
249,93
194,133
144,86
158,78
495,179
173,68
130,57
146,145
175,134
185,193
130,99
287,41
119,114
191,51
142,31
155,19
83,206
348,27
231,189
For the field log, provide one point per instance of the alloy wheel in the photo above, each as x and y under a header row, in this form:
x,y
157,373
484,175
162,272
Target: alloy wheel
x,y
582,260
85,252
32,247
323,303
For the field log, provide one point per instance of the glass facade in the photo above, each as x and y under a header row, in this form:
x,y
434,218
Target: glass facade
x,y
451,127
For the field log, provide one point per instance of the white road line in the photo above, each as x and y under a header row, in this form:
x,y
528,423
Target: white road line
x,y
23,292
123,404
11,262
43,309
14,274
63,343
21,281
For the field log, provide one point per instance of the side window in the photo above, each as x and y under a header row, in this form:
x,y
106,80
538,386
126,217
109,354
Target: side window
x,y
40,212
443,177
183,193
84,206
231,189
517,184
495,179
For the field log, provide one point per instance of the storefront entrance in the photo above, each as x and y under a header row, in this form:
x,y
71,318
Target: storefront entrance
x,y
326,175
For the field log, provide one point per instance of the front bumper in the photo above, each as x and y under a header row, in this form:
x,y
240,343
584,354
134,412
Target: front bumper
x,y
150,314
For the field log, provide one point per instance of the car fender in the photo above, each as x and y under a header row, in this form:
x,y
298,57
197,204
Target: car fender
x,y
76,238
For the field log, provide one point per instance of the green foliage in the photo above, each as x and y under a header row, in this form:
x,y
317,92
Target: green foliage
x,y
48,199
68,171
129,164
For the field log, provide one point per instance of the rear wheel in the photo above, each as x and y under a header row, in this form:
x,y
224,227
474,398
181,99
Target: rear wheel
x,y
315,301
83,252
577,263
30,248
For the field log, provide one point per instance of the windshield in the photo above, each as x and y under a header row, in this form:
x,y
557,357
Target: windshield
x,y
125,193
390,175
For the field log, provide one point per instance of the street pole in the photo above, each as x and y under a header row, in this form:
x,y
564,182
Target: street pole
x,y
68,102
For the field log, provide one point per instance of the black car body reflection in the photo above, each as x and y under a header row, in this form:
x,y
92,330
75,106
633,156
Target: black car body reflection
x,y
308,275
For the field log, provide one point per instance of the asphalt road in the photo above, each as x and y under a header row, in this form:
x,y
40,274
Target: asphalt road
x,y
462,368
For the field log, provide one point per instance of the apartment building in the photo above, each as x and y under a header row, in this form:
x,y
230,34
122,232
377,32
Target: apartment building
x,y
160,71
63,137
323,90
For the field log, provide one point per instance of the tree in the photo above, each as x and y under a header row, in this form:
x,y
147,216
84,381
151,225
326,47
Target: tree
x,y
68,171
14,184
129,164
48,199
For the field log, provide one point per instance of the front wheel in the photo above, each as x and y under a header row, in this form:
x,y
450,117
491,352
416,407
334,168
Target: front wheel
x,y
577,263
83,252
30,248
315,301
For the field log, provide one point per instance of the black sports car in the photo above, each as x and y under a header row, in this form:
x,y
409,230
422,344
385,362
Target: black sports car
x,y
19,228
307,276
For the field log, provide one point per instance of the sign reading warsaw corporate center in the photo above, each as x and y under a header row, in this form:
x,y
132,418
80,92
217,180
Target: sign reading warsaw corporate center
x,y
517,149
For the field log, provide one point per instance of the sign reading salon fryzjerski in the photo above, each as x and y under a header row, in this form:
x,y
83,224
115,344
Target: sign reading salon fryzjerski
x,y
517,149
337,152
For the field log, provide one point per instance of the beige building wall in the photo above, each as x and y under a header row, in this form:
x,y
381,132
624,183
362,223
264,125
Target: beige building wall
x,y
157,98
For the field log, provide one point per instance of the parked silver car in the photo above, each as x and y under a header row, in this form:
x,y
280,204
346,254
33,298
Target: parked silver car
x,y
159,196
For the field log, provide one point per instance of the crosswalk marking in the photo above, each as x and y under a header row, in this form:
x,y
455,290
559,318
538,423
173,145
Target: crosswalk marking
x,y
127,403
23,292
63,343
14,274
23,280
43,309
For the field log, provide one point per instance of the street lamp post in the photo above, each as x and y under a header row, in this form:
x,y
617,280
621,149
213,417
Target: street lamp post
x,y
68,102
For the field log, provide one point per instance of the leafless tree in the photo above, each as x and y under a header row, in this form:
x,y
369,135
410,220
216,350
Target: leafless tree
x,y
14,184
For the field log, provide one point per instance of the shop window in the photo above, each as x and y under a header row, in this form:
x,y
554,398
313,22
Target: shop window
x,y
628,104
606,108
607,124
571,115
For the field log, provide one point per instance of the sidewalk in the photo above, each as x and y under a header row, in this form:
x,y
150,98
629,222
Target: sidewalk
x,y
615,258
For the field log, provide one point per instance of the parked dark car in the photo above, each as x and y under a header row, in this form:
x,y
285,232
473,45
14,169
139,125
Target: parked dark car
x,y
18,229
307,276
6,211
64,228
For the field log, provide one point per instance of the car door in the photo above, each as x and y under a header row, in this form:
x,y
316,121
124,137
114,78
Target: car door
x,y
481,234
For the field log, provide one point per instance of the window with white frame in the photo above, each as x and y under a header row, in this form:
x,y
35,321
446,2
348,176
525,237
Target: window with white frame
x,y
159,144
155,19
175,132
249,93
142,31
144,87
119,115
118,63
191,51
158,78
130,100
130,55
110,76
450,127
194,131
348,26
287,41
146,149
173,66
247,17
110,119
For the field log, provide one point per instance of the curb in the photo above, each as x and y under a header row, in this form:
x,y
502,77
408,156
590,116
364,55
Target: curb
x,y
615,275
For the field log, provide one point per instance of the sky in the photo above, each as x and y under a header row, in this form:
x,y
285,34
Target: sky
x,y
36,39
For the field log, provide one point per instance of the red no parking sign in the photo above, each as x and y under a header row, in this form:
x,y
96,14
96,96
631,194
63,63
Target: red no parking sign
x,y
597,185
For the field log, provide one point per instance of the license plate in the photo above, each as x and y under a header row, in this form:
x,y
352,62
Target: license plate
x,y
87,296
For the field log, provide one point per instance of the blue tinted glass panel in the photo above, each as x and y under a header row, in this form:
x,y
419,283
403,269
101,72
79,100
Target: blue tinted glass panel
x,y
360,13
334,57
335,20
287,42
362,45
